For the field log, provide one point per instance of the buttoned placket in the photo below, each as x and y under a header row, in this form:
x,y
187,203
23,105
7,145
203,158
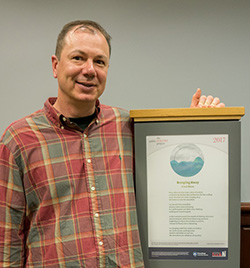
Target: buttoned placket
x,y
91,181
93,188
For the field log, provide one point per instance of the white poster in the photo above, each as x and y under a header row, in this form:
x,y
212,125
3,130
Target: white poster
x,y
187,182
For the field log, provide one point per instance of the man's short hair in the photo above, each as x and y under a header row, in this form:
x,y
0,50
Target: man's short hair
x,y
81,23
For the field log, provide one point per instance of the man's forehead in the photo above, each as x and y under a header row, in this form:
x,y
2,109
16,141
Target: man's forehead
x,y
83,29
78,31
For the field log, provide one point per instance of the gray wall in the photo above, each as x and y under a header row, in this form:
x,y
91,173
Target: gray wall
x,y
162,50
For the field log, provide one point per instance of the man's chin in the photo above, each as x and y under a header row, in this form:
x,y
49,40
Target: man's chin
x,y
86,98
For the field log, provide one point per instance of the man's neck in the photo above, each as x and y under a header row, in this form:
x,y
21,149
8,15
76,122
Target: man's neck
x,y
74,110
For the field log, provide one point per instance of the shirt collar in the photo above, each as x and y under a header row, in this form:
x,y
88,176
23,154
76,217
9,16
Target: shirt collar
x,y
56,117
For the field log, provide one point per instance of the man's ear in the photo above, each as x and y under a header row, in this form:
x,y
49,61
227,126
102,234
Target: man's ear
x,y
54,61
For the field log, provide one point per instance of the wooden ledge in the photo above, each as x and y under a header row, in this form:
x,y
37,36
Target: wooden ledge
x,y
187,114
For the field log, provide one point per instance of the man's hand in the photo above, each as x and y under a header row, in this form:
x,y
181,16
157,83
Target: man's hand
x,y
199,101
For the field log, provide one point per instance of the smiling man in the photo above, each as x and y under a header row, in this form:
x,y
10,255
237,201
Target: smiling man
x,y
66,171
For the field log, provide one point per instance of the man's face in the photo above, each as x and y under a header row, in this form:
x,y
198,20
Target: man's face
x,y
83,66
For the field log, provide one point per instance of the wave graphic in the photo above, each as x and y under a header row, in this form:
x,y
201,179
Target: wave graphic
x,y
187,169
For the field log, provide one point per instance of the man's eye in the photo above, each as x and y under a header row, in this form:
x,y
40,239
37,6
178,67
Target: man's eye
x,y
77,58
101,62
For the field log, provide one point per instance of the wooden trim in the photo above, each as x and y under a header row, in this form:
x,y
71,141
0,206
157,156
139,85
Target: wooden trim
x,y
245,207
245,235
187,114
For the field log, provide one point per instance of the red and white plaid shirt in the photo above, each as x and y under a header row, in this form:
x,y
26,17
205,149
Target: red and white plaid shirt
x,y
67,196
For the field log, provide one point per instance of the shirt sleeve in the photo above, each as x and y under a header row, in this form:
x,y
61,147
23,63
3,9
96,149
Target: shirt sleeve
x,y
12,211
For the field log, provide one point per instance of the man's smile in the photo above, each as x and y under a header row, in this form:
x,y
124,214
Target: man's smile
x,y
86,84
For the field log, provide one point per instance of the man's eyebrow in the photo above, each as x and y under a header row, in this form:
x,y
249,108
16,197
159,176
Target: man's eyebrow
x,y
78,51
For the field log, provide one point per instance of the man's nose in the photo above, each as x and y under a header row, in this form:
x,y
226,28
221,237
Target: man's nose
x,y
89,68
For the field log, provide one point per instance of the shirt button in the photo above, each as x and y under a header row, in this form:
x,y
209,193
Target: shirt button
x,y
100,243
64,119
85,135
62,127
92,188
89,160
96,215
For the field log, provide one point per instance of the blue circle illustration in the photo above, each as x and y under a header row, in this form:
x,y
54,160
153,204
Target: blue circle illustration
x,y
187,159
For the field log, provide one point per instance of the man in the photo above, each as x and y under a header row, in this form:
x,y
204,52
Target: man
x,y
66,171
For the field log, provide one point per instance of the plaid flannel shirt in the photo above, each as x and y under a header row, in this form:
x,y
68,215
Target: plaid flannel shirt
x,y
67,196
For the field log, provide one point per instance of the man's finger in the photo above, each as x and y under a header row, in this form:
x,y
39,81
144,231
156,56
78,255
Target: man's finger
x,y
196,98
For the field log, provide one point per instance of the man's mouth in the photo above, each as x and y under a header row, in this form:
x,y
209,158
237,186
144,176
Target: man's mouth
x,y
85,84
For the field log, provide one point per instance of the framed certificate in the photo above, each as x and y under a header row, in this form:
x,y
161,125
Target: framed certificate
x,y
187,179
